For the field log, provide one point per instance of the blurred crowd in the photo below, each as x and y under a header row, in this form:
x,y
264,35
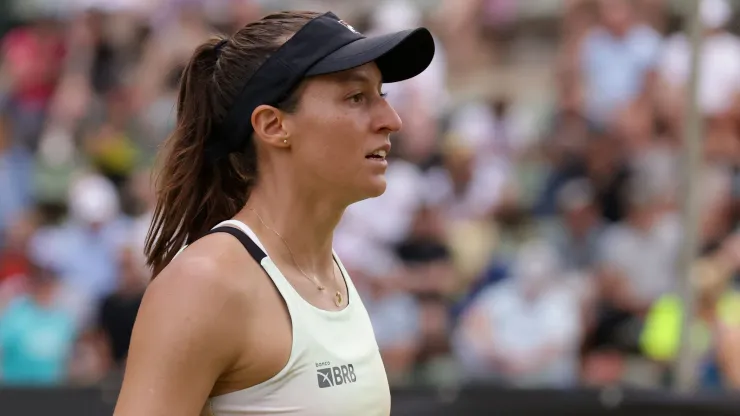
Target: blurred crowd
x,y
531,231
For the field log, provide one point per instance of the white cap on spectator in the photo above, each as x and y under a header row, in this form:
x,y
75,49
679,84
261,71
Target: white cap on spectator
x,y
93,199
715,13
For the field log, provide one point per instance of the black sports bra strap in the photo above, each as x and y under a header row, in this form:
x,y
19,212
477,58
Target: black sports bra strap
x,y
251,247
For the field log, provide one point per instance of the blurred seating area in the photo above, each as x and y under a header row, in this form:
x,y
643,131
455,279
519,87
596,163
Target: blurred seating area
x,y
531,231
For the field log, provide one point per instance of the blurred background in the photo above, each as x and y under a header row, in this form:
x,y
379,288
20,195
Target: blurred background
x,y
531,230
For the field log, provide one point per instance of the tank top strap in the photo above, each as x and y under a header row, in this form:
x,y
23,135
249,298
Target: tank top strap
x,y
254,247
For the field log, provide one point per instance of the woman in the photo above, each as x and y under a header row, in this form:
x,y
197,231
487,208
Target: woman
x,y
279,129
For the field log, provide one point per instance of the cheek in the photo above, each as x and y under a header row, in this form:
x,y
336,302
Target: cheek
x,y
334,148
335,160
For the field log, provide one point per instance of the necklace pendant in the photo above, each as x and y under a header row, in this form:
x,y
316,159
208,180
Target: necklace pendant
x,y
338,298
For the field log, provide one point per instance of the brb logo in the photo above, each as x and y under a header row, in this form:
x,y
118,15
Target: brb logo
x,y
335,376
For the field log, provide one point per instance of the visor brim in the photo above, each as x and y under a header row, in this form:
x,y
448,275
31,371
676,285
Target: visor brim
x,y
399,56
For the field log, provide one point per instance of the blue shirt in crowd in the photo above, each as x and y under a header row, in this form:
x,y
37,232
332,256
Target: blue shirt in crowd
x,y
35,343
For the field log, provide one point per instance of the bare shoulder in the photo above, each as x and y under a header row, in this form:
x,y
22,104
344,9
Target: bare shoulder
x,y
186,333
204,288
217,261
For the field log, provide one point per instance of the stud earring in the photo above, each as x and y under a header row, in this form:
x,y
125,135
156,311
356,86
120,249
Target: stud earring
x,y
285,141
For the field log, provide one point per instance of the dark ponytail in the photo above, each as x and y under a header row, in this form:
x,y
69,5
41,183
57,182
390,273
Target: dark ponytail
x,y
193,193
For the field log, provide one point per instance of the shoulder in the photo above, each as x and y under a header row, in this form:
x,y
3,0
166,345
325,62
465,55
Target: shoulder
x,y
218,255
196,323
215,269
201,291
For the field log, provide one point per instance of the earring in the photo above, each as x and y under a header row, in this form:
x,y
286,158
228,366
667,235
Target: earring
x,y
285,141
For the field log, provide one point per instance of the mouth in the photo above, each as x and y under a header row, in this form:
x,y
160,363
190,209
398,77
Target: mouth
x,y
378,155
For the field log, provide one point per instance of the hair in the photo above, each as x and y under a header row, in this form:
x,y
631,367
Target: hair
x,y
193,193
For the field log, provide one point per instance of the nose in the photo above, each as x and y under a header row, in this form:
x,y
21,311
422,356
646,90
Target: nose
x,y
388,120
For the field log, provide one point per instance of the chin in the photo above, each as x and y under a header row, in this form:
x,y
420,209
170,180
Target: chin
x,y
371,189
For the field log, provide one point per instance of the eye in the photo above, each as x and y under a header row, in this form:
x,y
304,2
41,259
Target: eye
x,y
357,98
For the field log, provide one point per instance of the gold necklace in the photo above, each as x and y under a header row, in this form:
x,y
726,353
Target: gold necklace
x,y
338,298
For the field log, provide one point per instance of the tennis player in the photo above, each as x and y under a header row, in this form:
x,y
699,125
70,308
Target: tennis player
x,y
279,129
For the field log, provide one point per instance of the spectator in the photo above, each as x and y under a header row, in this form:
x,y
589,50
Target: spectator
x,y
637,265
718,90
16,178
13,257
37,334
429,274
469,187
525,330
117,313
86,245
31,60
720,61
618,58
579,227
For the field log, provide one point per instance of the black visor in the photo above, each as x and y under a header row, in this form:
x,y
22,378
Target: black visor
x,y
324,45
399,55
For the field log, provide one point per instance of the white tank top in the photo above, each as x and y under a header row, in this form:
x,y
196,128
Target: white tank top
x,y
334,368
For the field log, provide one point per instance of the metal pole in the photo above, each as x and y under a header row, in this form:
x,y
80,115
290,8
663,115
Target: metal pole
x,y
685,367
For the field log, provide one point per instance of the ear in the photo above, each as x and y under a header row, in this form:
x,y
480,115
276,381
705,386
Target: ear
x,y
269,125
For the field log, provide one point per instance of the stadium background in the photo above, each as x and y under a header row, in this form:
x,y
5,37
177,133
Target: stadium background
x,y
528,240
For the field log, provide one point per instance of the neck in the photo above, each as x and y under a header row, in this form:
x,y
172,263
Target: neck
x,y
305,221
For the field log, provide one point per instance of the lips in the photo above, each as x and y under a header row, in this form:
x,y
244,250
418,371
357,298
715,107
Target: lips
x,y
379,154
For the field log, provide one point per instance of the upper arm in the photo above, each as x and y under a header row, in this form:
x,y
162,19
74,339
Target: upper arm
x,y
181,341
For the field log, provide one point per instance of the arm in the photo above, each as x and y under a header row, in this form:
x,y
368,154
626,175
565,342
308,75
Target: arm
x,y
183,340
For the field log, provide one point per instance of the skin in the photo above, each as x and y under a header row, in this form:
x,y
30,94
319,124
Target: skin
x,y
212,322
